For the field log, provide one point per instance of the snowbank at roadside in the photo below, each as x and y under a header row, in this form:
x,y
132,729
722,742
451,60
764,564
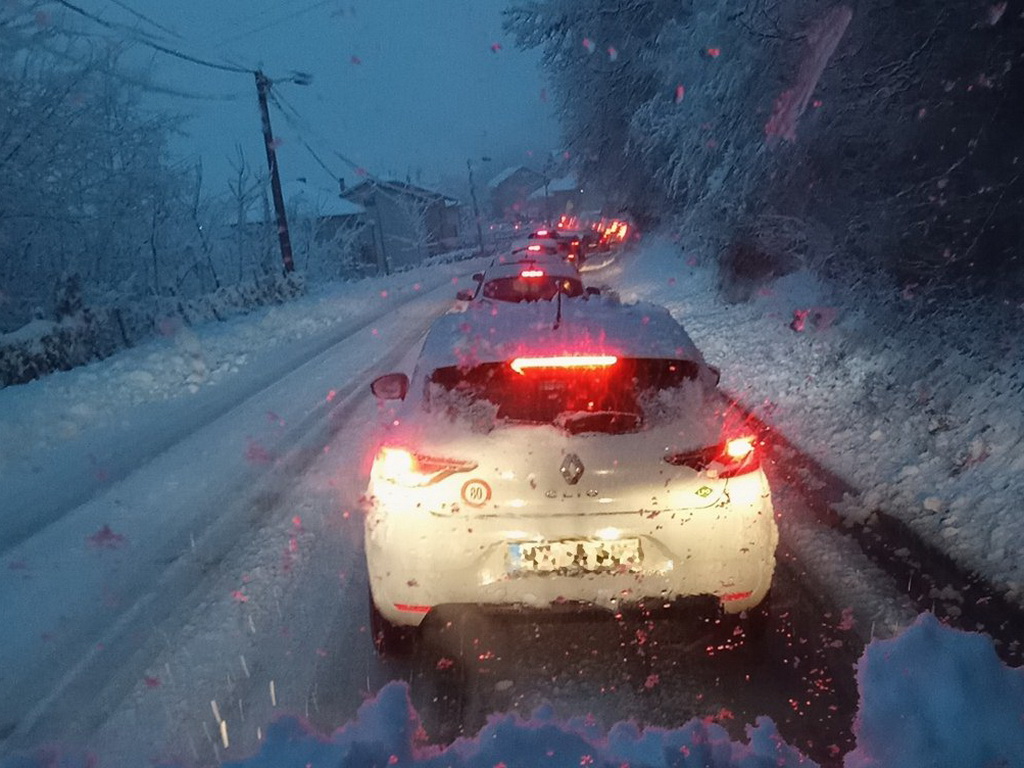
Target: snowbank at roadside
x,y
925,416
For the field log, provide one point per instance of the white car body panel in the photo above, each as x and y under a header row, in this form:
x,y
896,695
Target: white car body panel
x,y
472,537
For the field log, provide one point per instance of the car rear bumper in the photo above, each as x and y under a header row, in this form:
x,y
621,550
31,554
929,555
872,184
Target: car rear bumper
x,y
418,561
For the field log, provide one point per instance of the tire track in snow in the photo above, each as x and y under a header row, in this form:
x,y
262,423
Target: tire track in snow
x,y
99,665
130,451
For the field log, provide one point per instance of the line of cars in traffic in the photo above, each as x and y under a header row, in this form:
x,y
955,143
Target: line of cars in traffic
x,y
555,447
576,239
578,244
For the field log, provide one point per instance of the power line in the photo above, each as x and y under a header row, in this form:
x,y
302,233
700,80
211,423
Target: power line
x,y
143,17
154,45
143,38
124,76
274,99
280,102
231,24
276,22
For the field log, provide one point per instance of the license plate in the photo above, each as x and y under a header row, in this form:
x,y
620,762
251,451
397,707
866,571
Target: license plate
x,y
574,556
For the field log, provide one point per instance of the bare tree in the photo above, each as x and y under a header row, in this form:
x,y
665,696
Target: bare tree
x,y
249,231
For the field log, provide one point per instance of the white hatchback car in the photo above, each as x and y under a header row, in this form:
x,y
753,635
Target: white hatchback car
x,y
572,451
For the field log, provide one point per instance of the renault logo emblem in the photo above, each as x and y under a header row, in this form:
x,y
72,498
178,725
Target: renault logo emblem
x,y
571,469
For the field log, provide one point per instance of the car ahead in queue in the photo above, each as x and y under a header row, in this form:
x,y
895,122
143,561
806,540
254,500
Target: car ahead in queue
x,y
533,248
564,242
527,279
553,453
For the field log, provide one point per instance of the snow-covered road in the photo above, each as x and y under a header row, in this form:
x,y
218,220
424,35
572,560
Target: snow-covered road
x,y
181,535
202,536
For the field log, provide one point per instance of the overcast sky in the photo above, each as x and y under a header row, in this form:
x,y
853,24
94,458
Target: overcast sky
x,y
400,87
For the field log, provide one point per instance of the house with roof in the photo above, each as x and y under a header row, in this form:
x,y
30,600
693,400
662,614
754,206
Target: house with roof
x,y
557,197
328,234
510,189
409,222
325,224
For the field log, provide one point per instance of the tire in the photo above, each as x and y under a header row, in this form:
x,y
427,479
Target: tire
x,y
390,640
756,624
746,635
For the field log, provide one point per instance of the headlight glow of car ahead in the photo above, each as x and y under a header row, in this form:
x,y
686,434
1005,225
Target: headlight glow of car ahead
x,y
414,470
732,457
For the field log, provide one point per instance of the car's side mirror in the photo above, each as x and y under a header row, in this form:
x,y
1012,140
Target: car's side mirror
x,y
464,295
390,386
592,291
478,276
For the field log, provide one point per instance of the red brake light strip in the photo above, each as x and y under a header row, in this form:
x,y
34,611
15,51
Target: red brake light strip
x,y
520,364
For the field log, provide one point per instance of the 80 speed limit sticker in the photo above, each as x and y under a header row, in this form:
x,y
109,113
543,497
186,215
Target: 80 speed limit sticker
x,y
476,493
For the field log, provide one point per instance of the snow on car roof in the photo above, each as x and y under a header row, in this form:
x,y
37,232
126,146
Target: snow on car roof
x,y
492,331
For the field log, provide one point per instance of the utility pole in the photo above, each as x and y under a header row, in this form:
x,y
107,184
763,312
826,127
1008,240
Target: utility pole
x,y
379,226
262,87
476,207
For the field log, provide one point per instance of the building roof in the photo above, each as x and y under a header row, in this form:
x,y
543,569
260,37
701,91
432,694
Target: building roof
x,y
508,173
306,201
399,188
567,183
307,198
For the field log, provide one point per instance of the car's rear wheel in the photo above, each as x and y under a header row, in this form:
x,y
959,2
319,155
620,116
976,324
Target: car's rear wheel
x,y
755,626
744,635
390,640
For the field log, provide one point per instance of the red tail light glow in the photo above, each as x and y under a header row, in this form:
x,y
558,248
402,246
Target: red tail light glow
x,y
535,248
736,456
414,470
734,596
739,448
412,608
532,273
541,233
521,364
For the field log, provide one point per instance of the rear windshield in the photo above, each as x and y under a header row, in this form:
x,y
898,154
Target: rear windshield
x,y
626,397
531,288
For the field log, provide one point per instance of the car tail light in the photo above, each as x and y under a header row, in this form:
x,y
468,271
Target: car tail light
x,y
414,470
732,597
735,456
409,608
532,273
541,233
520,364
